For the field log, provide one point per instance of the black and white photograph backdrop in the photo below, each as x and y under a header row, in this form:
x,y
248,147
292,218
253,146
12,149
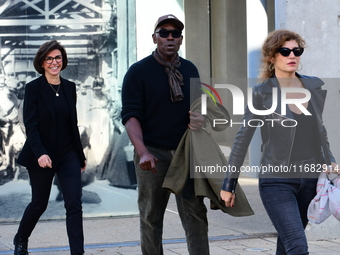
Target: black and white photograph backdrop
x,y
88,30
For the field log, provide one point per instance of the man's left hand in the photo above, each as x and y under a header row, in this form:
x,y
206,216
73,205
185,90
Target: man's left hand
x,y
197,120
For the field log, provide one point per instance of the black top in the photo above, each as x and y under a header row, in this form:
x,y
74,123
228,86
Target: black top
x,y
146,96
65,139
306,143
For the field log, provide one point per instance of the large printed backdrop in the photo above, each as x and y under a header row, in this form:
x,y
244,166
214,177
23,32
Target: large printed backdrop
x,y
88,31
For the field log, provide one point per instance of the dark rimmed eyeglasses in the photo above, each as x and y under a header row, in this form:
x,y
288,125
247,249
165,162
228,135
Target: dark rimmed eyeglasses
x,y
57,58
165,33
286,51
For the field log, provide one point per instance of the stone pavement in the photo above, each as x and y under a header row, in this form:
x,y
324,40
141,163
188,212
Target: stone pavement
x,y
120,235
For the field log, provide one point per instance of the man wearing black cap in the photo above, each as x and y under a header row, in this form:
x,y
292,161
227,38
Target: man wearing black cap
x,y
156,102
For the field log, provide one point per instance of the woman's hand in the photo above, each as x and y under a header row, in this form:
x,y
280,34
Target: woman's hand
x,y
228,198
45,161
83,168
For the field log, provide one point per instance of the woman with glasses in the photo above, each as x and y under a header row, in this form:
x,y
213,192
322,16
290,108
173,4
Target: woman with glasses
x,y
294,141
52,146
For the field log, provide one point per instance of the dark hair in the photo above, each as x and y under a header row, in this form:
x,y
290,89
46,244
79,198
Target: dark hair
x,y
270,46
42,52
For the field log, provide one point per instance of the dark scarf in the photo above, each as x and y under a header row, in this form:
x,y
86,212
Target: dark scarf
x,y
174,76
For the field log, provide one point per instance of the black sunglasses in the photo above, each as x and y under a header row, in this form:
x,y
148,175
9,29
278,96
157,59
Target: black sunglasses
x,y
165,33
286,51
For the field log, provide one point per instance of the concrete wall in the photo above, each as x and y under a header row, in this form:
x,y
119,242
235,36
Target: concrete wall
x,y
197,29
217,44
318,22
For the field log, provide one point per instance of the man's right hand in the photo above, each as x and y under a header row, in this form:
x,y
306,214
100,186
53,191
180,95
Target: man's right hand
x,y
147,162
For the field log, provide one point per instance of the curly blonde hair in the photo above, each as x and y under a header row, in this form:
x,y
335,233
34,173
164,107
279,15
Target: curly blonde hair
x,y
273,42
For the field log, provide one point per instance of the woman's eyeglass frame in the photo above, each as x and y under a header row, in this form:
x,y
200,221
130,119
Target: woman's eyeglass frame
x,y
49,59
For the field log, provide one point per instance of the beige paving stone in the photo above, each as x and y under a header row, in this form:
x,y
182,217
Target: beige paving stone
x,y
218,250
260,244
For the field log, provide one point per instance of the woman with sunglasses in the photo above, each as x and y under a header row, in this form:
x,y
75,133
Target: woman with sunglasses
x,y
294,145
52,146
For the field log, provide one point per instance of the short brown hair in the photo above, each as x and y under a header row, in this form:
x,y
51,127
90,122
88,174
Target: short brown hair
x,y
273,42
42,52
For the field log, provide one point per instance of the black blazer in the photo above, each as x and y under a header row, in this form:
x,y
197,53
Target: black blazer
x,y
39,120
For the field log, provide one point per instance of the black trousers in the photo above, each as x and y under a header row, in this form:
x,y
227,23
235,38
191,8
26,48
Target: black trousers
x,y
69,174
